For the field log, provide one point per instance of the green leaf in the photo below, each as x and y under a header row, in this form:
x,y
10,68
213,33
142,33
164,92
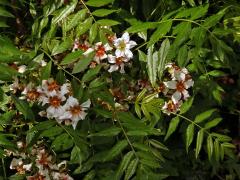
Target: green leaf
x,y
103,12
221,137
71,57
142,56
24,108
204,116
131,169
163,51
91,73
82,64
93,32
161,31
75,19
5,13
152,60
51,132
158,145
199,142
199,12
172,127
116,150
212,123
46,71
90,175
210,147
213,20
124,164
198,36
84,26
216,147
3,24
65,45
7,73
228,145
113,131
189,135
64,12
142,27
7,117
107,22
62,142
182,57
216,73
97,3
186,105
60,77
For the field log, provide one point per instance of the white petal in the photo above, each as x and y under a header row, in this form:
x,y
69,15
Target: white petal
x,y
119,53
189,83
71,101
86,104
98,44
170,84
185,94
64,89
22,69
90,50
128,54
132,44
122,68
113,68
103,57
107,47
111,59
82,115
125,37
178,75
176,97
66,115
27,167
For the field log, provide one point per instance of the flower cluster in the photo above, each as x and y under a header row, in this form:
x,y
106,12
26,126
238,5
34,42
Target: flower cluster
x,y
58,101
175,85
37,164
117,51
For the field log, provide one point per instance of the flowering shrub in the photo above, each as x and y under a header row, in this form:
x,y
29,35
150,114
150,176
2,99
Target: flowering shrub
x,y
112,89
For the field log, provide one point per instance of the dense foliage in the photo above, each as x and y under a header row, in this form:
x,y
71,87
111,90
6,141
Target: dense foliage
x,y
116,89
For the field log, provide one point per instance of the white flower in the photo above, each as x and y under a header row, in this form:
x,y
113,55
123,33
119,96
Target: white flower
x,y
175,71
54,100
100,50
19,166
117,63
30,92
180,84
22,69
123,46
74,111
170,107
61,176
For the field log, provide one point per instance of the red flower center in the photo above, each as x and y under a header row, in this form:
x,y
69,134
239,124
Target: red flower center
x,y
119,60
44,161
55,101
100,51
32,94
75,110
53,86
83,47
180,86
171,106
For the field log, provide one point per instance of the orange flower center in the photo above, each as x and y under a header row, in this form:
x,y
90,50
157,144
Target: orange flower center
x,y
75,110
33,94
100,51
20,169
180,86
44,160
119,60
111,38
53,86
171,106
83,47
55,101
